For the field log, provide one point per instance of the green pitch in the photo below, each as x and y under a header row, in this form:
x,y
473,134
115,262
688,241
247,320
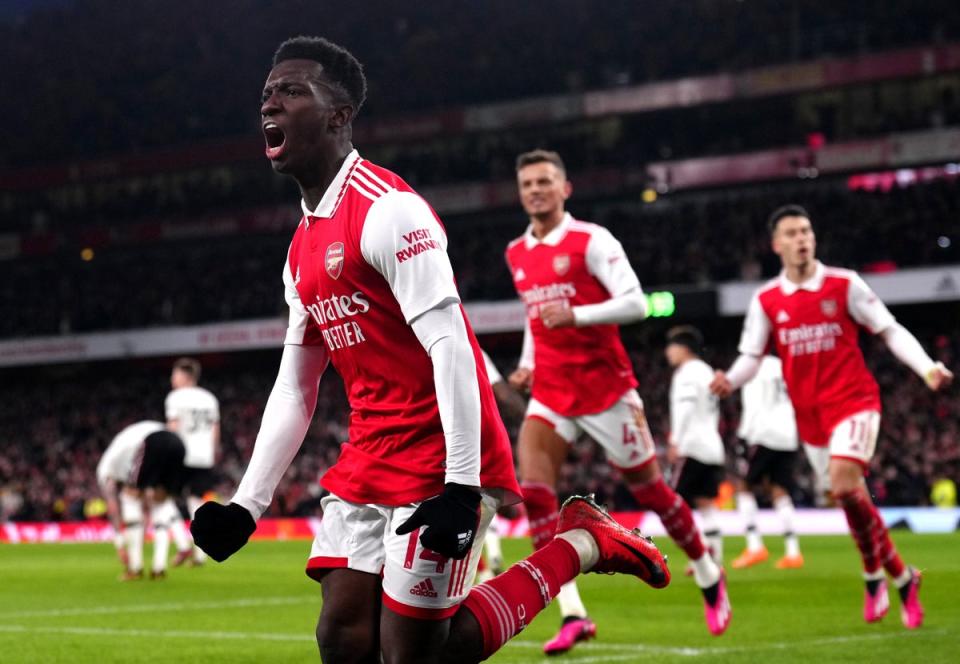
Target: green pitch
x,y
61,603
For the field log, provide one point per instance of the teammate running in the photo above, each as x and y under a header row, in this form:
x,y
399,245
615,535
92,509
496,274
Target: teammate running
x,y
813,314
578,286
194,413
695,444
370,289
769,428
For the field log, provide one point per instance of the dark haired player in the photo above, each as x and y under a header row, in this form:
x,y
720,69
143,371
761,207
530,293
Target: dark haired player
x,y
578,287
814,314
695,448
371,289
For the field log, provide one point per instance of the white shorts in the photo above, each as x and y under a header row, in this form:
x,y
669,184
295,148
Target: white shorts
x,y
621,430
854,438
417,582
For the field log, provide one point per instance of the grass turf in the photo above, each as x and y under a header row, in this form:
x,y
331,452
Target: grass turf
x,y
61,603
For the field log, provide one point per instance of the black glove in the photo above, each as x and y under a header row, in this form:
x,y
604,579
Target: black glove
x,y
221,530
451,521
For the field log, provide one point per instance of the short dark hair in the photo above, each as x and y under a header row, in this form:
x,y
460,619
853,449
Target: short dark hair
x,y
686,335
340,67
539,156
189,366
791,210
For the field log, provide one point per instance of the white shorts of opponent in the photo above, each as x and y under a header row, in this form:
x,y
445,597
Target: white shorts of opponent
x,y
621,430
854,438
417,582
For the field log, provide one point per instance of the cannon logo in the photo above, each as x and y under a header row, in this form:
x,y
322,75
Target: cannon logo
x,y
333,260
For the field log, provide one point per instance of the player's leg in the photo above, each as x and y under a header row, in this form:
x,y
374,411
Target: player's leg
x,y
200,481
781,480
623,432
756,552
348,630
161,519
541,450
347,557
852,444
131,513
492,613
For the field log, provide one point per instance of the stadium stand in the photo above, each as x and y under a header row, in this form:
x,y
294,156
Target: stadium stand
x,y
155,169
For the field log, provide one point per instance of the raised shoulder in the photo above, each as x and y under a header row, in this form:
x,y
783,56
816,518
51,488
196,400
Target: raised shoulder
x,y
588,227
840,273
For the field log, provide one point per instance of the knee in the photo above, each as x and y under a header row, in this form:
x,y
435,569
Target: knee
x,y
345,642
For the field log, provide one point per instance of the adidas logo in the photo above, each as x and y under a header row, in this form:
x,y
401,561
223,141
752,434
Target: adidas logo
x,y
782,317
463,540
519,275
424,589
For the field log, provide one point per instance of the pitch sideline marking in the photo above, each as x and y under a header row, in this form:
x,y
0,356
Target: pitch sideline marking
x,y
631,650
166,606
627,650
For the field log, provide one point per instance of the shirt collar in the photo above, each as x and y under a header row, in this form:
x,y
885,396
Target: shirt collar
x,y
813,284
333,194
552,238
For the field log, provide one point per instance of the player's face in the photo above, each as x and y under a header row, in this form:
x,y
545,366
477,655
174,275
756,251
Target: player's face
x,y
543,189
179,379
301,116
794,241
674,354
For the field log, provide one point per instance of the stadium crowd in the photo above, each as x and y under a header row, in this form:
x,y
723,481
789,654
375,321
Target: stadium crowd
x,y
186,74
47,469
237,277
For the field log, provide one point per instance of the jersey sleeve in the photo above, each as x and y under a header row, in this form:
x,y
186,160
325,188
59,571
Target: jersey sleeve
x,y
607,261
301,330
756,329
170,406
866,308
403,240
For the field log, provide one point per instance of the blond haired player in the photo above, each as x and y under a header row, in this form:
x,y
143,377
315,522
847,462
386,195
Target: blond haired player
x,y
578,287
194,413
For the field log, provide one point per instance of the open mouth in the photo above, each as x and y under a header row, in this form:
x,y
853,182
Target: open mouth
x,y
276,140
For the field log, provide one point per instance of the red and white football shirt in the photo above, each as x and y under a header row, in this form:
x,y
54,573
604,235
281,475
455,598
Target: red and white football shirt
x,y
370,259
816,327
577,370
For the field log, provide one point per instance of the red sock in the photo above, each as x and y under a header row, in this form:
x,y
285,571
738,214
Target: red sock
x,y
865,526
542,512
506,604
673,512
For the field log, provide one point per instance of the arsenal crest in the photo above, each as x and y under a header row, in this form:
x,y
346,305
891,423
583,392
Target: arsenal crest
x,y
561,264
333,260
829,308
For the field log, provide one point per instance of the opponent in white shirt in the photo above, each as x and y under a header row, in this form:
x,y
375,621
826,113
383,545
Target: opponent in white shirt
x,y
695,442
138,469
769,427
194,413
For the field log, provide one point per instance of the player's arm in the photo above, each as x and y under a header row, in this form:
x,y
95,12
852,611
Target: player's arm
x,y
522,376
221,530
424,287
753,344
870,312
607,261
